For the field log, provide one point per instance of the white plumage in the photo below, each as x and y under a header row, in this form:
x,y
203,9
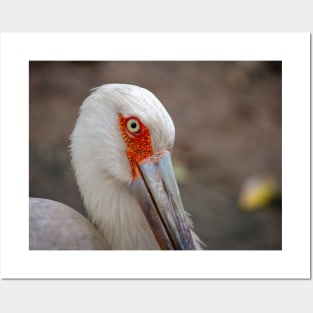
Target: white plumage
x,y
56,226
103,171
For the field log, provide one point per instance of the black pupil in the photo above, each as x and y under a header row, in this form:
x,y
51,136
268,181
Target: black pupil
x,y
133,125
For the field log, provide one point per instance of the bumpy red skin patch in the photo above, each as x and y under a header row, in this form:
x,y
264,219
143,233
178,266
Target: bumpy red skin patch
x,y
138,145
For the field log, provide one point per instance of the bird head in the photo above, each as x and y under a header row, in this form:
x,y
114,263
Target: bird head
x,y
124,132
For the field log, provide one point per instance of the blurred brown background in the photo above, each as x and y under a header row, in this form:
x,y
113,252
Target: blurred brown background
x,y
228,119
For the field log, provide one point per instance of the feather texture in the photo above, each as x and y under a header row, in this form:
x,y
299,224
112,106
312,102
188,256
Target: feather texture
x,y
103,172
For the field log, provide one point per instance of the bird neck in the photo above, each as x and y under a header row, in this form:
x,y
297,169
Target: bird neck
x,y
113,209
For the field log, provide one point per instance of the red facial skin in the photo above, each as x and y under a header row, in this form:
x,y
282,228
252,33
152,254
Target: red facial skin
x,y
138,145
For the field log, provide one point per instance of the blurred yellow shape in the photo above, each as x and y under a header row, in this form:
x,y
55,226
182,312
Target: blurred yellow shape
x,y
256,193
181,171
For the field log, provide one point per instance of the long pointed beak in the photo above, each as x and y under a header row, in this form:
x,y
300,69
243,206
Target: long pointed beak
x,y
157,192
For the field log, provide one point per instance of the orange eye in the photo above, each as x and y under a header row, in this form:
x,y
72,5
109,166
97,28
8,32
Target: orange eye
x,y
133,126
137,139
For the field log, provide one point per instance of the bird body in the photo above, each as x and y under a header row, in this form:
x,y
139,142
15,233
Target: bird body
x,y
120,150
56,226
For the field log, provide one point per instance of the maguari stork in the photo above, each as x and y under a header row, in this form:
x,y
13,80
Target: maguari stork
x,y
121,155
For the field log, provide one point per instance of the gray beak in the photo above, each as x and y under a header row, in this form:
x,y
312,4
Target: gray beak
x,y
157,193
